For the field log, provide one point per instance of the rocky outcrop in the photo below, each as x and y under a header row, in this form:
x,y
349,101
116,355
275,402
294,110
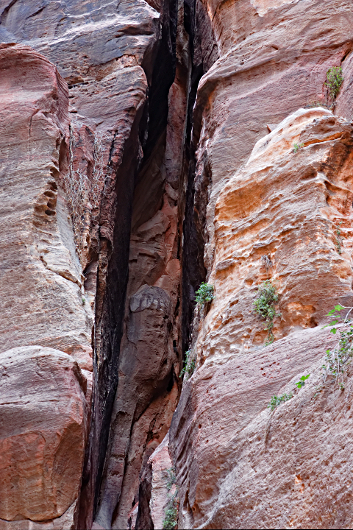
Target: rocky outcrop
x,y
271,62
43,433
123,159
240,464
46,354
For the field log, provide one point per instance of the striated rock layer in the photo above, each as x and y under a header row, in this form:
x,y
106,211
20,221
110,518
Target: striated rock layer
x,y
267,212
46,354
157,153
239,464
122,159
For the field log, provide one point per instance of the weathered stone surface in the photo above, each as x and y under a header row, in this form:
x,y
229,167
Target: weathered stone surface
x,y
149,361
113,56
266,70
41,281
43,414
248,467
43,405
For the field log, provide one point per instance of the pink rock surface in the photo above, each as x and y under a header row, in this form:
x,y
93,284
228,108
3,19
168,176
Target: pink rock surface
x,y
41,282
43,393
43,413
249,467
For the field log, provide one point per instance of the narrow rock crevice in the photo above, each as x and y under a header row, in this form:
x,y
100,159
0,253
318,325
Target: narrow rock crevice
x,y
137,301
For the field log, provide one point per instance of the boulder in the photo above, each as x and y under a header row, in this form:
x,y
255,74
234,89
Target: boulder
x,y
43,415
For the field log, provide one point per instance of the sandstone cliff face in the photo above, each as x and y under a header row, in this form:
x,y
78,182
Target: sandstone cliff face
x,y
245,465
147,146
268,217
46,355
119,62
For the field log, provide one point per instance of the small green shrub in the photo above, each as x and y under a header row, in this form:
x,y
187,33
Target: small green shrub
x,y
171,515
334,80
277,400
171,511
171,478
302,380
342,354
265,307
189,364
296,147
204,294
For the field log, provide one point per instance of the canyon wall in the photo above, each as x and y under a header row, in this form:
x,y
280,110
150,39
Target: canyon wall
x,y
148,146
271,212
46,354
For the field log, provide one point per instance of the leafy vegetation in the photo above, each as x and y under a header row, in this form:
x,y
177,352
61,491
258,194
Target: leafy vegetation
x,y
265,307
277,400
171,515
334,80
296,147
302,380
341,355
204,294
171,511
189,364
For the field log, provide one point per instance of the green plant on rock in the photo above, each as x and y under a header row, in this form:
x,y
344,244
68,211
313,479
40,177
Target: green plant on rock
x,y
171,515
170,521
189,364
302,380
341,355
277,400
296,147
334,80
265,307
204,294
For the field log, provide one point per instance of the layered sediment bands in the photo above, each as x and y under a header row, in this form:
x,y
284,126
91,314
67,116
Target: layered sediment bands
x,y
239,464
272,61
46,355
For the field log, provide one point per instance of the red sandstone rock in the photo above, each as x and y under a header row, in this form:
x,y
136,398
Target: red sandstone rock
x,y
248,467
41,283
43,413
43,405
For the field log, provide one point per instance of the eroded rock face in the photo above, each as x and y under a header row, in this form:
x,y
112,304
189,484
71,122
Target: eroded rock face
x,y
275,219
119,62
43,432
41,282
45,398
